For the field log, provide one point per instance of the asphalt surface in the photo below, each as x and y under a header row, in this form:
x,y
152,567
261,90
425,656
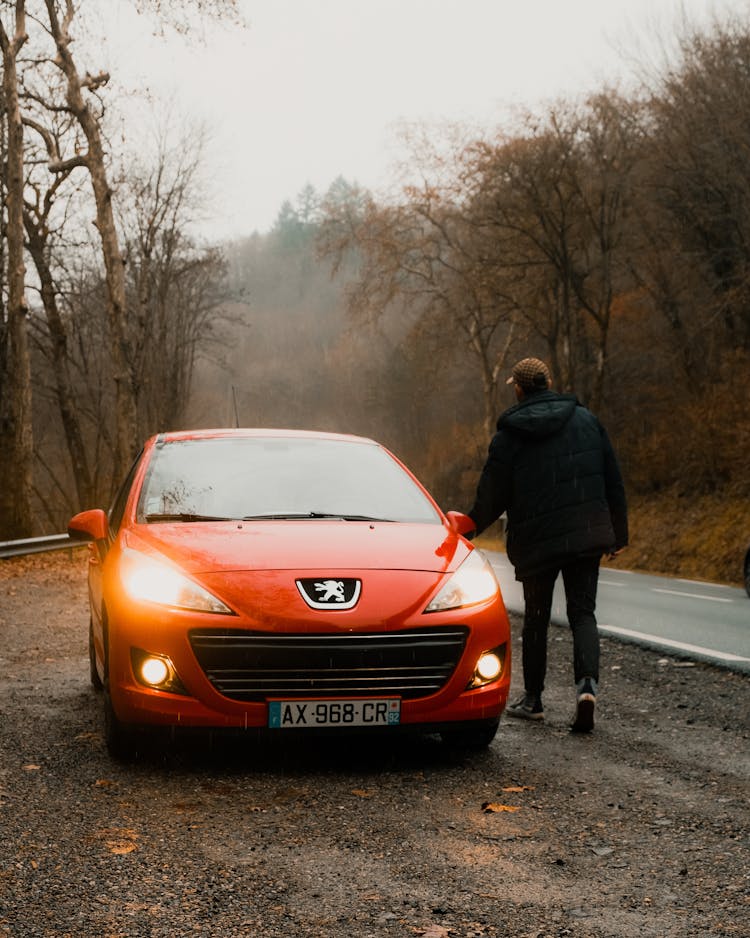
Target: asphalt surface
x,y
697,620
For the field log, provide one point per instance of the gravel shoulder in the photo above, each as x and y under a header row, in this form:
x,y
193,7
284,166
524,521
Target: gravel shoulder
x,y
639,830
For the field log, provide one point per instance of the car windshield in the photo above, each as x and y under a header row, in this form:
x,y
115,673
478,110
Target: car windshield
x,y
258,478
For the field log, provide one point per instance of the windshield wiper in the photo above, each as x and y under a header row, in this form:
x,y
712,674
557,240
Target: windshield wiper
x,y
311,516
189,517
184,516
363,518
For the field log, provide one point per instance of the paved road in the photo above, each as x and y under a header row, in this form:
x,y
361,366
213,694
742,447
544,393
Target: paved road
x,y
704,621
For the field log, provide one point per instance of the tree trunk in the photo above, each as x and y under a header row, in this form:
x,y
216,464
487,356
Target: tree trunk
x,y
16,435
126,427
64,387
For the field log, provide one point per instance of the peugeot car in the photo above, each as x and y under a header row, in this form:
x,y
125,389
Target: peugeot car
x,y
288,582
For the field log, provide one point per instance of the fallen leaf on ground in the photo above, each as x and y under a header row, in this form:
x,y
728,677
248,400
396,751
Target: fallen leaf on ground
x,y
491,807
121,848
119,840
515,788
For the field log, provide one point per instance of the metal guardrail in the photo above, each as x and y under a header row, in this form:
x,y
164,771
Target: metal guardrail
x,y
36,545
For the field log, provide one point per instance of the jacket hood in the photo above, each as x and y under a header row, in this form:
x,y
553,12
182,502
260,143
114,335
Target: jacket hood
x,y
539,415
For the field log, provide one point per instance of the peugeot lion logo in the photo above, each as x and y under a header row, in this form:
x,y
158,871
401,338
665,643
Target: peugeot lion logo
x,y
330,592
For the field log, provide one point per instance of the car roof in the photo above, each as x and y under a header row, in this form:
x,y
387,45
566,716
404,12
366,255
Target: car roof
x,y
257,432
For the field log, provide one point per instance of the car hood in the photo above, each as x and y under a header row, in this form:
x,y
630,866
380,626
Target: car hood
x,y
301,545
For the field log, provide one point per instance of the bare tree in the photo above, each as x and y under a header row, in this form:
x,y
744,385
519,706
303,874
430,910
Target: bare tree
x,y
63,109
556,198
691,260
697,196
175,287
79,92
82,100
15,417
426,257
38,233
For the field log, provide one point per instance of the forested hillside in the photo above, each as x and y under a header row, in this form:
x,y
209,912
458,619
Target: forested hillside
x,y
609,236
303,358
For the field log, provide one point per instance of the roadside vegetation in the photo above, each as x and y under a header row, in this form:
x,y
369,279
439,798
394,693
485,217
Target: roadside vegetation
x,y
608,235
701,538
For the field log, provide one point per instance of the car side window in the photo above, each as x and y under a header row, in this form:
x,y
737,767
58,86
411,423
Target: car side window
x,y
118,505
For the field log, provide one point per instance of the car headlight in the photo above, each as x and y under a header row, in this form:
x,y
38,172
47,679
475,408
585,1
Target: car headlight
x,y
149,580
474,582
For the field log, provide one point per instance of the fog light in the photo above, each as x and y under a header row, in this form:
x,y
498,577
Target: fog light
x,y
489,666
154,671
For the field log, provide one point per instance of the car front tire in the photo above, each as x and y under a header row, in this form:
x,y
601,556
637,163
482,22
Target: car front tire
x,y
120,739
475,735
96,681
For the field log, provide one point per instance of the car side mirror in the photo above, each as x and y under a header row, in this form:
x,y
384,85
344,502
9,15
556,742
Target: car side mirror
x,y
89,525
461,523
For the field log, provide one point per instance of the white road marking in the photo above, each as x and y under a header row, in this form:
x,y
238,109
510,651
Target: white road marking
x,y
611,583
713,599
678,646
718,586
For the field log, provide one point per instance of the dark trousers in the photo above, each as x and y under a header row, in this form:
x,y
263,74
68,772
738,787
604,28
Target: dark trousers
x,y
580,577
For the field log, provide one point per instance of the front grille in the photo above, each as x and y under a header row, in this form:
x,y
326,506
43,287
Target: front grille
x,y
251,666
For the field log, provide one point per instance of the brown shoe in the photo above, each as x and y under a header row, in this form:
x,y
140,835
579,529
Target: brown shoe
x,y
585,706
528,707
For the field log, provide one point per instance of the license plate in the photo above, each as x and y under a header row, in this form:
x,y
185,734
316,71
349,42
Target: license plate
x,y
308,714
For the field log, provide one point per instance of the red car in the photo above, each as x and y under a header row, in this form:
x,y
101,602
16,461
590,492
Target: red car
x,y
289,581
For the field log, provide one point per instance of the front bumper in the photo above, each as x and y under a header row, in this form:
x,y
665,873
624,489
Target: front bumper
x,y
225,687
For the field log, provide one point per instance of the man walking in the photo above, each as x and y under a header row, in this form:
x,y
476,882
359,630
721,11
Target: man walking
x,y
552,469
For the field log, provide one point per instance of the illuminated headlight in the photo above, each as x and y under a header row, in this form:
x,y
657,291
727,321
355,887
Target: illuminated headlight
x,y
150,580
473,582
156,671
489,667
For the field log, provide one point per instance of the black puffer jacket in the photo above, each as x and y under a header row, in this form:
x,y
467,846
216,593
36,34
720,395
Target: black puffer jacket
x,y
552,468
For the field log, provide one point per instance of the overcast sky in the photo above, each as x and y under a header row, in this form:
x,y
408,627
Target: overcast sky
x,y
314,89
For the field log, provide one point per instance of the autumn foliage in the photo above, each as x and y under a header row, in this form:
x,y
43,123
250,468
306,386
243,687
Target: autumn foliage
x,y
609,236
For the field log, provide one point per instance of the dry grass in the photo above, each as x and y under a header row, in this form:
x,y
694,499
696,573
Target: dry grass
x,y
701,538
